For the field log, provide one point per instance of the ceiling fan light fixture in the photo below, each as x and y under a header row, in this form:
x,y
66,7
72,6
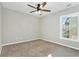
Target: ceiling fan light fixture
x,y
39,8
38,12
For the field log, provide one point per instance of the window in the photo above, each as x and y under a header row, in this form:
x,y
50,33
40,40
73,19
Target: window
x,y
69,26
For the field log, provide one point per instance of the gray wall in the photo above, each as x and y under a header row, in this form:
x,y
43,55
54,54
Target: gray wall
x,y
50,28
23,27
0,25
18,27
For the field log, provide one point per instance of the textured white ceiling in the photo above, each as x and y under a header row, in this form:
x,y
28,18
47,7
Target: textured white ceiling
x,y
53,6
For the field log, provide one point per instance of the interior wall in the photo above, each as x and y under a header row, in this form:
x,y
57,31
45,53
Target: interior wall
x,y
18,27
0,27
40,26
51,28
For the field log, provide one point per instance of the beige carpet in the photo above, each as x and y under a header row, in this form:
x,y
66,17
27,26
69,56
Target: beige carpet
x,y
37,48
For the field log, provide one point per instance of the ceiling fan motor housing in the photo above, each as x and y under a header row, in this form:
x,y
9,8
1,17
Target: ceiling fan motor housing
x,y
38,7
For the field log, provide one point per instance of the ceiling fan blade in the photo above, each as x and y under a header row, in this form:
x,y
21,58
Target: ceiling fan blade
x,y
45,10
31,6
43,4
33,11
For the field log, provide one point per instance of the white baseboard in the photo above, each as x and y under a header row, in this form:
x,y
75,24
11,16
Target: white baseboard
x,y
19,42
62,44
42,39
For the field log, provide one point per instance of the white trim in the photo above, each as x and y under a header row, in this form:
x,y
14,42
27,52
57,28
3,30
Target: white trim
x,y
19,42
62,44
75,40
42,39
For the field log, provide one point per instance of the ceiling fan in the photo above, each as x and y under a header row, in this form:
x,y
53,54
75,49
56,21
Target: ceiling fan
x,y
40,7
